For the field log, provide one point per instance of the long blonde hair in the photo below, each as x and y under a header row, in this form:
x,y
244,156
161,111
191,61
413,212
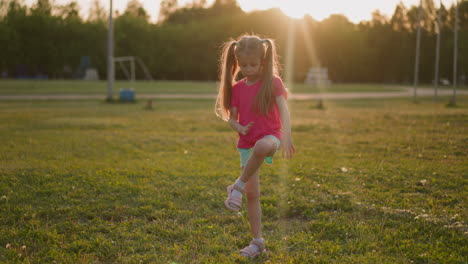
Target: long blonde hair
x,y
247,44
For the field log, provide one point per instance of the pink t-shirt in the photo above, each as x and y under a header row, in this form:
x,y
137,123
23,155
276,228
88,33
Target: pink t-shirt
x,y
243,97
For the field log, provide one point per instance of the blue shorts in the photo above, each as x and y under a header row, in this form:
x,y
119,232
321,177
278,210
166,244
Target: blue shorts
x,y
245,153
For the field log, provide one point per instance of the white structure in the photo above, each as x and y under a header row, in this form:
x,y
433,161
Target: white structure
x,y
91,74
131,59
317,76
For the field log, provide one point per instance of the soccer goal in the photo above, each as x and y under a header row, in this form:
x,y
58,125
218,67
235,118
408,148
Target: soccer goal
x,y
130,74
317,76
128,94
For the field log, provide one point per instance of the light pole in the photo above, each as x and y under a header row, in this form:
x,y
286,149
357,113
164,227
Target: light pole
x,y
455,55
416,62
110,56
436,72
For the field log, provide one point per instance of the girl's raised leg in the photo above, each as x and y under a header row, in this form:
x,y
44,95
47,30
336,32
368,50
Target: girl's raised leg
x,y
265,147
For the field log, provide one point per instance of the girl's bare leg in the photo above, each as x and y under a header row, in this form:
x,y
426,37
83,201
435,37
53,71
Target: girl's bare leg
x,y
254,210
263,148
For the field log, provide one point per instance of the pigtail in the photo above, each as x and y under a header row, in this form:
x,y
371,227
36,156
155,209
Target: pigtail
x,y
228,73
265,98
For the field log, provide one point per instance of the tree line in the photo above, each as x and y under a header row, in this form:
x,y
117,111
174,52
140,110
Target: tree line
x,y
185,42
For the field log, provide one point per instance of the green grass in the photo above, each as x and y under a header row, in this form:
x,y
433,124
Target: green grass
x,y
8,87
374,181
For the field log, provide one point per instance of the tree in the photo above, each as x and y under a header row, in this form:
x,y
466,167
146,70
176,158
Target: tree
x,y
70,10
333,32
226,7
400,21
429,18
226,4
43,7
166,8
11,41
198,3
4,7
136,9
378,19
97,12
185,44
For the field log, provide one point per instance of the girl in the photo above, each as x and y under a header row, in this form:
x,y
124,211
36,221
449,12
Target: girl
x,y
256,108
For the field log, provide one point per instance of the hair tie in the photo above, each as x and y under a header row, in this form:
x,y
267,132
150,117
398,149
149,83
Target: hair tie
x,y
264,40
237,43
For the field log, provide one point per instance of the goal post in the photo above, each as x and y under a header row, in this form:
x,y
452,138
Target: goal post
x,y
130,74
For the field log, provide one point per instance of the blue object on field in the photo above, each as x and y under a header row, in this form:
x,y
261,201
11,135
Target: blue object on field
x,y
127,95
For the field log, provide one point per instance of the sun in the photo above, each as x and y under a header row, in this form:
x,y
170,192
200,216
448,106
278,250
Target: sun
x,y
292,8
295,11
300,8
355,11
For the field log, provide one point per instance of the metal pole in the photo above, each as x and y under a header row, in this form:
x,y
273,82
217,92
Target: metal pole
x,y
416,63
122,66
110,56
142,65
436,73
289,59
132,69
455,55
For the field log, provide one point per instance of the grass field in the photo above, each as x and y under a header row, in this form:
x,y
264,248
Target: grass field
x,y
8,87
374,181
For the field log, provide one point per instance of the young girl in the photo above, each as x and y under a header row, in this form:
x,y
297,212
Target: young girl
x,y
256,108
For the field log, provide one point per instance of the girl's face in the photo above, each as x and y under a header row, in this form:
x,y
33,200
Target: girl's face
x,y
250,66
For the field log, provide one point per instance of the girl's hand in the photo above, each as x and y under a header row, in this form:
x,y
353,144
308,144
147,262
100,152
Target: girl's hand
x,y
287,147
245,129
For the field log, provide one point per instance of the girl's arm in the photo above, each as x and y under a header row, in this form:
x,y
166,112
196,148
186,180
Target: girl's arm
x,y
235,125
286,144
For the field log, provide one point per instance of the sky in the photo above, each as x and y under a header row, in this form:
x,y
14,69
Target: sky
x,y
355,10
